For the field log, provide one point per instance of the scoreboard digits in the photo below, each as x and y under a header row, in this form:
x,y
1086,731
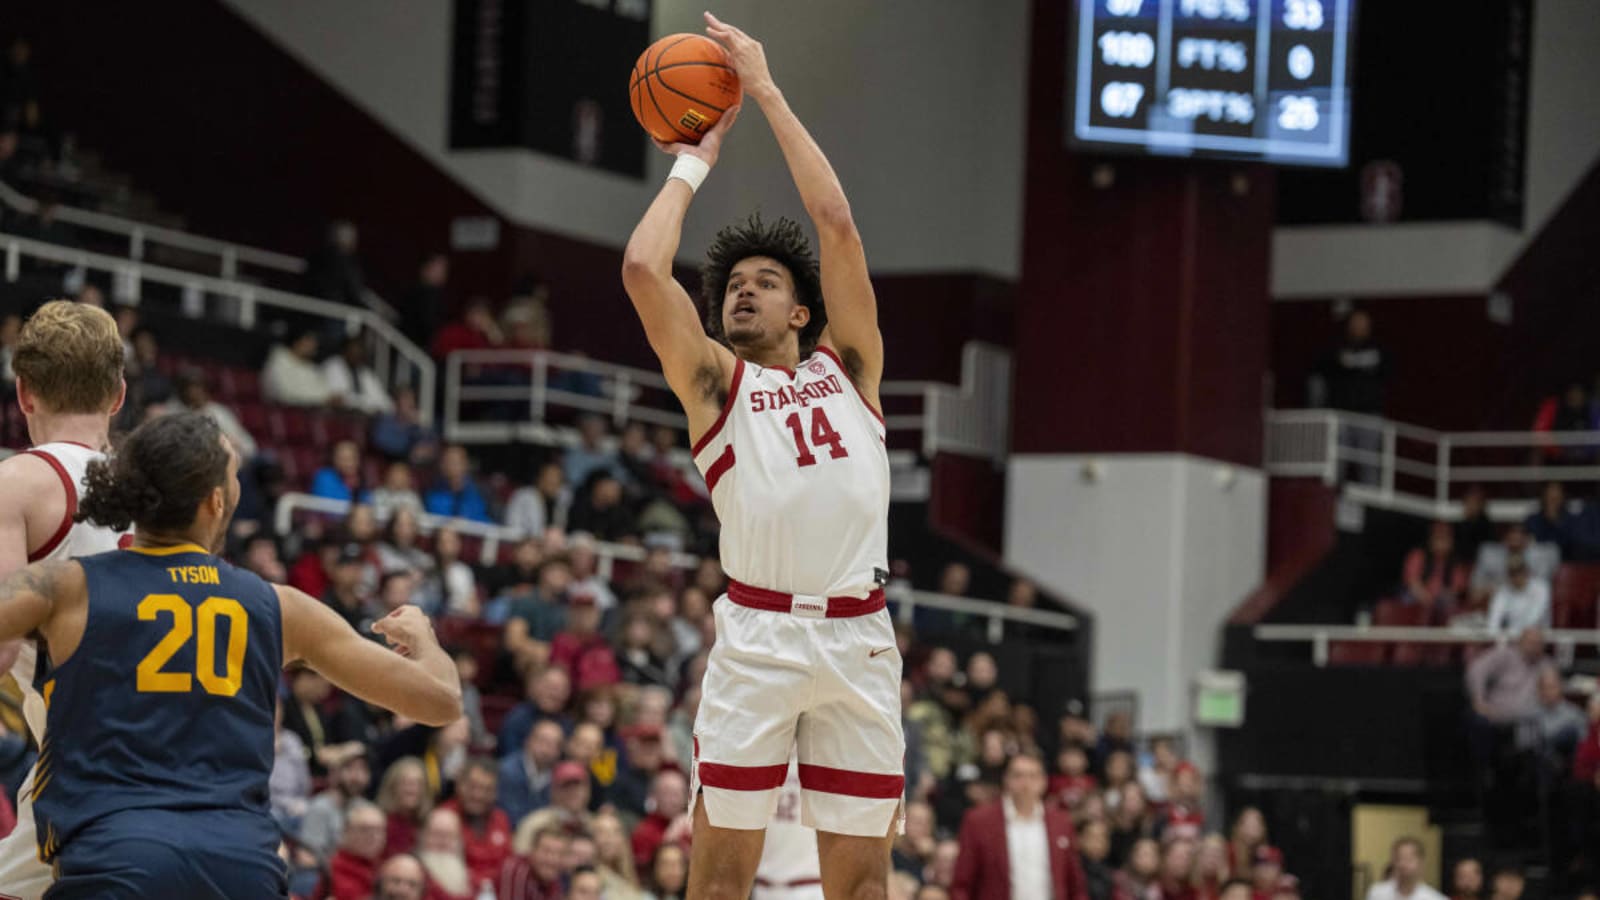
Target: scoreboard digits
x,y
1257,79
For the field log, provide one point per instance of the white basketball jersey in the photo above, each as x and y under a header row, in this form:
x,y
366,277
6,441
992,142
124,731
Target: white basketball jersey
x,y
70,540
789,867
799,475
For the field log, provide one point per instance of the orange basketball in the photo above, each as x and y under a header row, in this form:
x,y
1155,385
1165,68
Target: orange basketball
x,y
681,86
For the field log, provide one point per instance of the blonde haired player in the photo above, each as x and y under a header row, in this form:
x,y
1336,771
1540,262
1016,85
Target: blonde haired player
x,y
68,362
780,386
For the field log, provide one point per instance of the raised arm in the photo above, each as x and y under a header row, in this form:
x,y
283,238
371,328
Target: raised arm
x,y
416,679
697,368
846,290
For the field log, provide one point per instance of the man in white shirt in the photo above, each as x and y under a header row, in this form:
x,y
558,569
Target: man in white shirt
x,y
292,375
353,383
1522,602
1405,859
1026,842
1494,559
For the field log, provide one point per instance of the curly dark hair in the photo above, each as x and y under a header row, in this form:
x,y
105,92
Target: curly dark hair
x,y
782,241
158,477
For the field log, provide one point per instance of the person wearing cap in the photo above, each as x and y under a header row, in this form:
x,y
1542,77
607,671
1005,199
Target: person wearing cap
x,y
345,595
1405,862
580,648
644,755
1522,602
568,809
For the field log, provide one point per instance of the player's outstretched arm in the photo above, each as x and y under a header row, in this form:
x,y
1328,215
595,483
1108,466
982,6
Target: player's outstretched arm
x,y
846,289
416,679
688,357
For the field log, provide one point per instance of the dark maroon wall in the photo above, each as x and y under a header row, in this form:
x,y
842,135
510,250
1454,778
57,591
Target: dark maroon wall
x,y
1141,317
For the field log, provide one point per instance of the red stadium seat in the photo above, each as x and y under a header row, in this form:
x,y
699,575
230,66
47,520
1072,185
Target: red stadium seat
x,y
1356,653
495,708
253,416
242,385
291,426
1573,594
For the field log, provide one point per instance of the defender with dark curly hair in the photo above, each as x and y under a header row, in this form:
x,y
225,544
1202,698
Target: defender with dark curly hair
x,y
780,384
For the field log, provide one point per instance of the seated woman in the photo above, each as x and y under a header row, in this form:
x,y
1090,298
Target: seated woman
x,y
1433,575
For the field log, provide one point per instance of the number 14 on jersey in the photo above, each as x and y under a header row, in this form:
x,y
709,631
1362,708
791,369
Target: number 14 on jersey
x,y
822,435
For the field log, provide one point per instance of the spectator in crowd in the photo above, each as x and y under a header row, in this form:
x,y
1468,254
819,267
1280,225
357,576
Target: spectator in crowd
x,y
347,592
1183,816
289,786
46,227
1177,864
147,384
328,725
912,850
543,504
333,272
423,307
525,777
1248,835
456,495
1354,375
10,330
1020,847
1433,574
403,796
1094,848
1072,781
536,876
1131,821
1508,884
19,93
1473,530
439,850
614,858
352,383
567,810
526,322
475,330
593,453
341,478
669,872
1494,559
1267,873
1560,728
581,649
292,376
260,555
584,560
1521,603
1116,736
599,510
324,820
638,652
401,877
548,690
1466,881
194,394
399,434
485,831
399,550
667,820
1155,774
1237,889
1503,683
931,892
586,884
536,615
354,868
397,492
1552,523
1118,770
1139,877
1210,866
450,587
1571,412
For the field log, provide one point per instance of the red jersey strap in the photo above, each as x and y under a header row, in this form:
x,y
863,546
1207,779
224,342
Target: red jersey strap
x,y
72,506
727,407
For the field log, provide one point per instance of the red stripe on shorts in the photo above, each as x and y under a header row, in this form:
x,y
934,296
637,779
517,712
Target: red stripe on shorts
x,y
852,784
743,778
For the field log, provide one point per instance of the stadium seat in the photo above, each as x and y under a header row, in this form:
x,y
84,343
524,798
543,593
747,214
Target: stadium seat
x,y
291,426
242,385
1356,653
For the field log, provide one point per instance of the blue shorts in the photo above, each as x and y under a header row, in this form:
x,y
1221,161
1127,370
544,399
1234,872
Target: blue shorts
x,y
151,854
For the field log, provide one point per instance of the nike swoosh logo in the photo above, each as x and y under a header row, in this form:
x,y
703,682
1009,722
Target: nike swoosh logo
x,y
878,651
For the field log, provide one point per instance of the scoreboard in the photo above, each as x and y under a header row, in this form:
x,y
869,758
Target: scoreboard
x,y
1243,79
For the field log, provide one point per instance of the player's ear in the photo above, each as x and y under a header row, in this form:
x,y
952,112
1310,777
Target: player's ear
x,y
800,315
25,399
122,396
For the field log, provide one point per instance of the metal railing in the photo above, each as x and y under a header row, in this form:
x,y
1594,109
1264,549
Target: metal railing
x,y
906,602
141,237
1416,469
971,418
396,360
1320,637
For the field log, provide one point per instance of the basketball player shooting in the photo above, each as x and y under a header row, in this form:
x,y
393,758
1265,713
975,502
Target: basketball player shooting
x,y
780,386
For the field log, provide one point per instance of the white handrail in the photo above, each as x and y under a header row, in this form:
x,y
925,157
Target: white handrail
x,y
970,418
1320,636
1327,443
133,273
907,602
140,233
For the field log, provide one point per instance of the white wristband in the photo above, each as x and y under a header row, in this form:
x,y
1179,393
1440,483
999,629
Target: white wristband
x,y
691,170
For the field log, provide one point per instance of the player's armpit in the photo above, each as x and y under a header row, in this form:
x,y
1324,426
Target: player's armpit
x,y
424,687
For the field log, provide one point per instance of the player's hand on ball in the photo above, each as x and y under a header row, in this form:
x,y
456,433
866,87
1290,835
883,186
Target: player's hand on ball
x,y
745,53
710,145
405,629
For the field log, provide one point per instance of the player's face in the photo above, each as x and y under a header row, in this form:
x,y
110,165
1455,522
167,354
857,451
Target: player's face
x,y
759,307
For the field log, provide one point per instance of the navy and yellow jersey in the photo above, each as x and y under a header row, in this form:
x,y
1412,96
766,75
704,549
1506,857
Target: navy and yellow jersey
x,y
166,706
